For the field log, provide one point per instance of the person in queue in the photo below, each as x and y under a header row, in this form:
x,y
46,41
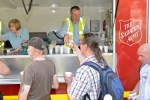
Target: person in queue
x,y
16,35
74,26
142,87
4,70
39,76
135,90
87,79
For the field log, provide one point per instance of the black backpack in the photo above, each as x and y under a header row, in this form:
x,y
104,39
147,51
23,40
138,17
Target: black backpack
x,y
110,82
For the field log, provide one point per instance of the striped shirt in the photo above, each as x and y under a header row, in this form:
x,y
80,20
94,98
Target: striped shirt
x,y
86,80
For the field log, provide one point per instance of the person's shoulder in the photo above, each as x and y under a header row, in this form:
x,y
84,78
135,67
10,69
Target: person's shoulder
x,y
84,71
141,66
49,61
83,68
28,67
144,67
24,29
9,33
83,18
67,19
32,64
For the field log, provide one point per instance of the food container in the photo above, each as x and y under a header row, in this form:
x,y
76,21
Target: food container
x,y
24,48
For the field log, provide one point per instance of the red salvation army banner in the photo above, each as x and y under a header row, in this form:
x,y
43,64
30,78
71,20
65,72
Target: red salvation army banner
x,y
130,34
130,30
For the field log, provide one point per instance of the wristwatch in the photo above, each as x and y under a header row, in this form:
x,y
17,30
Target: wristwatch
x,y
17,49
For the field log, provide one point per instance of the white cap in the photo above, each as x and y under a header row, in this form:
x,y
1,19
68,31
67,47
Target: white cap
x,y
107,97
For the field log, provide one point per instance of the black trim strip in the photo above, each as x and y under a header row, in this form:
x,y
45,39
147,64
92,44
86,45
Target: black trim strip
x,y
25,7
30,5
116,8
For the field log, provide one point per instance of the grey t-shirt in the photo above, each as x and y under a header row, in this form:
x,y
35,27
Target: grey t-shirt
x,y
39,75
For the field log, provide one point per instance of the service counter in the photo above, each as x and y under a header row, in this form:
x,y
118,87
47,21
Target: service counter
x,y
63,63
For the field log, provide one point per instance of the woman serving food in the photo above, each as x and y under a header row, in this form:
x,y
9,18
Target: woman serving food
x,y
16,35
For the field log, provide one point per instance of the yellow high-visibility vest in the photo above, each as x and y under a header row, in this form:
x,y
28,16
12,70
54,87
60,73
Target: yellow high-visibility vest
x,y
70,30
1,43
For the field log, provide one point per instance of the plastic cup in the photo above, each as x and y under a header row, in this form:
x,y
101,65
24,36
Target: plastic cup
x,y
74,52
61,49
65,49
21,73
107,97
70,44
50,50
111,48
8,50
57,47
105,49
68,74
68,50
101,47
130,96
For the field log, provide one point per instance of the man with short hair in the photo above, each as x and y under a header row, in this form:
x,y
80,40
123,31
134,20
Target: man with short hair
x,y
74,26
87,79
144,85
39,76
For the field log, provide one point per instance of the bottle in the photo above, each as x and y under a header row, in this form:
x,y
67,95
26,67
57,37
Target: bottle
x,y
104,25
107,97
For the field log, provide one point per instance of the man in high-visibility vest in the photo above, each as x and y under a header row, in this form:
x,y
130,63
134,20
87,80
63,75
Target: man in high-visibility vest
x,y
3,30
74,26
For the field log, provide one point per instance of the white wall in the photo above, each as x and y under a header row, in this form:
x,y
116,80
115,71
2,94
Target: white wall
x,y
107,6
43,20
38,20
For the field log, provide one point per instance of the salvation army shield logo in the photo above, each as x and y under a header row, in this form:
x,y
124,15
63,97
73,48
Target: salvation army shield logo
x,y
130,31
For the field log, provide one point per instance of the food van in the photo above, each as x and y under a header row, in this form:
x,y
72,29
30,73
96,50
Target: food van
x,y
122,25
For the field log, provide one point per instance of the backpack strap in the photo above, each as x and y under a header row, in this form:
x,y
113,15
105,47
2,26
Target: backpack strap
x,y
141,66
105,64
99,69
86,95
93,65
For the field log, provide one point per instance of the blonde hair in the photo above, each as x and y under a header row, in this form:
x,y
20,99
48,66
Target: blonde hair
x,y
16,23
